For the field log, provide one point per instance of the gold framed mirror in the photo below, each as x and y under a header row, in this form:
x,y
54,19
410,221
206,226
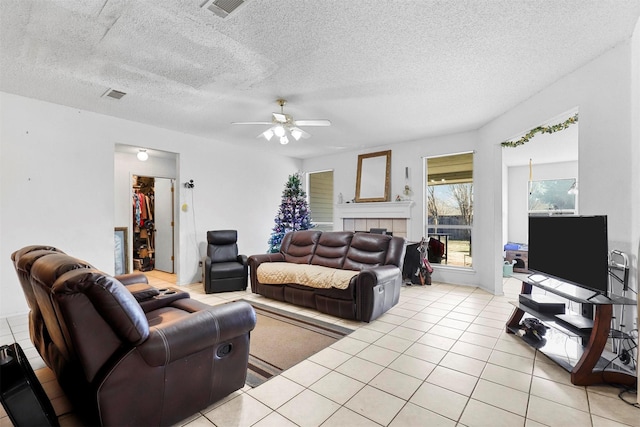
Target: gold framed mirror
x,y
373,182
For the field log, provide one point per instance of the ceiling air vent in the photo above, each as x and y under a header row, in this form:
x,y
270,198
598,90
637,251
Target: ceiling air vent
x,y
223,8
115,94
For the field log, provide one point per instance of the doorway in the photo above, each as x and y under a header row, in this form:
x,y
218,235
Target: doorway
x,y
153,223
547,161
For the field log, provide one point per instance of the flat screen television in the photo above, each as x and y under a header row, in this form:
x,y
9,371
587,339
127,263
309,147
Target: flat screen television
x,y
571,249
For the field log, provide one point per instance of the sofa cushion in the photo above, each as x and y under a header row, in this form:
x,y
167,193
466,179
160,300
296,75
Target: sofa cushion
x,y
367,250
332,249
315,276
222,245
224,270
299,246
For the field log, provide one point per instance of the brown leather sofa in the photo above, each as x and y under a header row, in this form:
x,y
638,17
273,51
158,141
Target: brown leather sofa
x,y
373,290
131,355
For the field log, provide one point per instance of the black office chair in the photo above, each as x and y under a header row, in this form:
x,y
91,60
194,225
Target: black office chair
x,y
224,269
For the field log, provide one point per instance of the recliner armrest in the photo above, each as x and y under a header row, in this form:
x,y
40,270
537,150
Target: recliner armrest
x,y
132,278
176,339
260,258
142,291
254,262
165,297
371,280
206,269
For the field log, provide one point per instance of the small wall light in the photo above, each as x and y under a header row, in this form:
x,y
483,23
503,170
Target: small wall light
x,y
142,155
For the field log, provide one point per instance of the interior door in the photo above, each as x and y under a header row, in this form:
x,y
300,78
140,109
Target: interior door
x,y
163,218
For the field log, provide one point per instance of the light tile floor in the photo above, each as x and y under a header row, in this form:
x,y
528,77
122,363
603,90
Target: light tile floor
x,y
441,357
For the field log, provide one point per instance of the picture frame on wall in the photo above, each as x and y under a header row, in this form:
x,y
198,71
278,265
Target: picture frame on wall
x,y
121,247
373,180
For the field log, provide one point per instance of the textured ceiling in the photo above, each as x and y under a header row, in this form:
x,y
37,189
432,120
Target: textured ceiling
x,y
382,71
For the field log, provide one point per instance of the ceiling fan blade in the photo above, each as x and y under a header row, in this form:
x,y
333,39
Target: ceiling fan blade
x,y
251,123
320,122
303,134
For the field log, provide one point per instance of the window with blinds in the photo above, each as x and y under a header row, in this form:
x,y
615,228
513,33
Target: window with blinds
x,y
321,199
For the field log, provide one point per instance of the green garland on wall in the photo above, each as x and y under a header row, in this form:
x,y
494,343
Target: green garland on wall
x,y
542,129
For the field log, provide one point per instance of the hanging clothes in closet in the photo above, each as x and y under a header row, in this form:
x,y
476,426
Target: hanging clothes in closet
x,y
143,226
142,208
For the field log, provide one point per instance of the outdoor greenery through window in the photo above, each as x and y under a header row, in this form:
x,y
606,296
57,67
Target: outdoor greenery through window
x,y
449,211
557,196
320,193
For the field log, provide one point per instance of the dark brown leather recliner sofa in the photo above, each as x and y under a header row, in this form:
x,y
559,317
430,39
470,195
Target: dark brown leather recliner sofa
x,y
373,259
131,355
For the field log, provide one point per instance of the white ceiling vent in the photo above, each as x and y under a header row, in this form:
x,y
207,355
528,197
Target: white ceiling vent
x,y
223,8
115,94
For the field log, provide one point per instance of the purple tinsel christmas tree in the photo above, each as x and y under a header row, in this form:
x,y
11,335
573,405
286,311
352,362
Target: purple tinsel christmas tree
x,y
293,214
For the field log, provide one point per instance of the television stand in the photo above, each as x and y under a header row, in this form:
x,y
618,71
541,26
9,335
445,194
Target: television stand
x,y
578,348
598,297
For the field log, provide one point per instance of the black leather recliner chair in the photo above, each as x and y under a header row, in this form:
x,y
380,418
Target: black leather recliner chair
x,y
224,269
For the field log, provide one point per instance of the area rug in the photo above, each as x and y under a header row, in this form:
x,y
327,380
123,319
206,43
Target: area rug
x,y
282,339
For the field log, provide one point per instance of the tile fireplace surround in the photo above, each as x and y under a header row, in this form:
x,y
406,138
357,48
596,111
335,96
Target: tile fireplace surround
x,y
394,216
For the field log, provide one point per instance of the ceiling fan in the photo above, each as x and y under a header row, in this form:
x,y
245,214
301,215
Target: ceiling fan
x,y
283,125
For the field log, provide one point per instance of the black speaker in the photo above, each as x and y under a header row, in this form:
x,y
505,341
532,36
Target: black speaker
x,y
587,310
21,394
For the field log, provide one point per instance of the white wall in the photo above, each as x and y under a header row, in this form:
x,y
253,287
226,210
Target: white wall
x,y
234,189
603,91
411,154
518,185
57,187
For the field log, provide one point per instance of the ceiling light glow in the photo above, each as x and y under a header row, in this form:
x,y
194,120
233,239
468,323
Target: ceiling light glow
x,y
279,131
142,155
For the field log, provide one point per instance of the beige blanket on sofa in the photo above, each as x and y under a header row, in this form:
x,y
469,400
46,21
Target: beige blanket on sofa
x,y
315,276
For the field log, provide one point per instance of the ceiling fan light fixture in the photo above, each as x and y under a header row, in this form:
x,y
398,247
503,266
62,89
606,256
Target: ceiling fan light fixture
x,y
279,131
142,155
283,125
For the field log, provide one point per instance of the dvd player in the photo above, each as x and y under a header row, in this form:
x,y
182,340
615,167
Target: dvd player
x,y
543,303
576,321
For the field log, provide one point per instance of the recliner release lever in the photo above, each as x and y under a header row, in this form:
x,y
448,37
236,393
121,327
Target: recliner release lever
x,y
224,350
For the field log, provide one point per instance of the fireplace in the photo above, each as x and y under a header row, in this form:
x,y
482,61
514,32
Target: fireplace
x,y
394,216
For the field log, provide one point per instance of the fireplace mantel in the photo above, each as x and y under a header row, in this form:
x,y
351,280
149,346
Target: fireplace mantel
x,y
374,210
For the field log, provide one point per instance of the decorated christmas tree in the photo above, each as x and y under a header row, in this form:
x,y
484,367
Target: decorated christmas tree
x,y
293,214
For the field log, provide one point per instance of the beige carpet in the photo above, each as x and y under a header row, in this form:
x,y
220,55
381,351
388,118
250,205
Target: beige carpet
x,y
282,340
